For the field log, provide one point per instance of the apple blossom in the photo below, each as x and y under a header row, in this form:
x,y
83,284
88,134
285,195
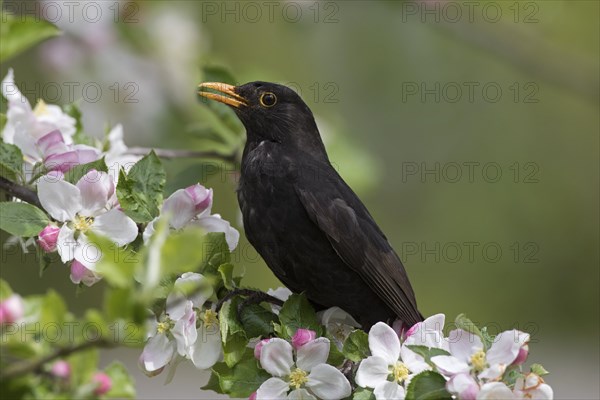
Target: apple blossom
x,y
61,369
338,323
191,207
303,336
307,377
464,386
58,156
24,125
258,348
103,382
389,360
47,238
428,333
11,309
495,391
88,206
117,157
532,386
80,274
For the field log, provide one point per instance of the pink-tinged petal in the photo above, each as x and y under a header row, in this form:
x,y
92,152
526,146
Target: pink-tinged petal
x,y
103,383
184,331
300,394
61,161
327,382
48,237
66,243
51,143
384,343
449,365
303,336
372,371
276,357
389,391
493,372
96,188
192,286
79,274
180,208
87,252
495,391
464,386
272,389
505,348
116,226
206,351
11,309
414,362
258,348
464,344
157,353
522,356
312,354
215,223
60,198
252,396
201,197
61,369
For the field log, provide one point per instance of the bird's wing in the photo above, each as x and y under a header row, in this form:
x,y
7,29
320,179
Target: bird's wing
x,y
359,242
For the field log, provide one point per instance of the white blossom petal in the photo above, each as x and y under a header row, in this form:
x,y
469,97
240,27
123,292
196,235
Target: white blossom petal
x,y
413,361
301,394
184,331
327,382
215,223
180,208
192,286
312,354
96,188
384,343
495,391
272,389
464,344
464,386
116,226
505,348
66,243
449,365
206,351
60,198
157,353
389,391
372,371
86,252
276,357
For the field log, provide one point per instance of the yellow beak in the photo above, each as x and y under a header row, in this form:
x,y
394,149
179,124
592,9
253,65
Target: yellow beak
x,y
226,95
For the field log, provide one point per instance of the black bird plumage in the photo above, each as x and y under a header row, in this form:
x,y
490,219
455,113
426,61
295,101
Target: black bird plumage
x,y
311,229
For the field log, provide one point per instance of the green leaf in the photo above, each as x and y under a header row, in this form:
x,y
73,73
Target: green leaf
x,y
464,323
83,365
297,313
141,191
226,271
356,346
243,379
11,161
117,265
54,310
79,137
3,121
21,32
5,290
257,321
183,251
78,171
363,394
216,252
539,370
427,385
428,352
213,383
233,334
122,383
123,304
22,219
336,357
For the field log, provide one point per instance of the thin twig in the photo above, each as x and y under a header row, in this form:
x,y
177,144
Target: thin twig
x,y
257,294
19,191
171,153
26,367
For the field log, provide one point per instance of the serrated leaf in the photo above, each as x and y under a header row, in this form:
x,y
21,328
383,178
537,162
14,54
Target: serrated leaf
x,y
226,271
216,252
21,32
243,379
233,334
363,394
356,346
22,219
140,192
74,174
538,369
213,384
11,161
257,321
427,385
297,313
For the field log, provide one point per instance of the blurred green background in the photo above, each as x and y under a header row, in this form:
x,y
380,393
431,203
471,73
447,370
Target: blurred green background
x,y
470,131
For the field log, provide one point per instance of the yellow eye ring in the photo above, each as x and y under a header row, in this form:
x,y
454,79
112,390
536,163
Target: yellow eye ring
x,y
268,99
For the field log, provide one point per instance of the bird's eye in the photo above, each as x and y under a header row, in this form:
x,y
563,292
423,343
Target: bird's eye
x,y
268,99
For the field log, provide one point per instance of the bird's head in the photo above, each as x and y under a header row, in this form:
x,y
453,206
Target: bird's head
x,y
269,111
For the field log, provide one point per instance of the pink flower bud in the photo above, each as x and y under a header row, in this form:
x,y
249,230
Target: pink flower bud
x,y
522,356
11,309
252,396
258,348
201,196
79,273
48,237
51,143
303,336
103,381
61,369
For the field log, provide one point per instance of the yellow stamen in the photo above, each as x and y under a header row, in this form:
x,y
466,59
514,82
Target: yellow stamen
x,y
298,378
82,223
40,108
163,327
478,360
210,318
400,372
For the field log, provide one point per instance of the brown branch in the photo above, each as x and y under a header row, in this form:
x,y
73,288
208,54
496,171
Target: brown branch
x,y
19,191
171,153
28,366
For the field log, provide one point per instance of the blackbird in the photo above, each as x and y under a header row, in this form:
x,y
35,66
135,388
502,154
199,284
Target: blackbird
x,y
308,225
